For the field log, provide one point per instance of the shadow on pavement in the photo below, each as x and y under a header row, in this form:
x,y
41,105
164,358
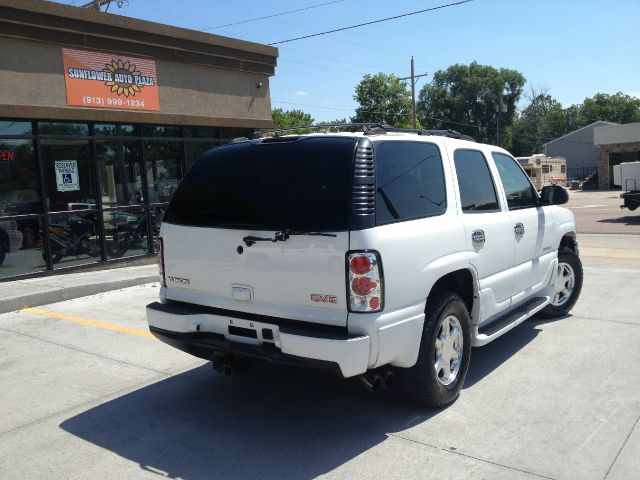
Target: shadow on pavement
x,y
271,422
628,220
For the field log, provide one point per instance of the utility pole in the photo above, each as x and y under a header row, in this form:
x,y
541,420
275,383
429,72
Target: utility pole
x,y
413,78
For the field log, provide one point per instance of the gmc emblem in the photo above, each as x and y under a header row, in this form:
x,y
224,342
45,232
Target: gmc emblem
x,y
316,297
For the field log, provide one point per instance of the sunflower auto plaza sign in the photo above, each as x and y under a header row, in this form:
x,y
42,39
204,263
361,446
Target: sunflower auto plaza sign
x,y
103,80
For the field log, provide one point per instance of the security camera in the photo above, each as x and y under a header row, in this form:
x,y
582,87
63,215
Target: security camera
x,y
259,85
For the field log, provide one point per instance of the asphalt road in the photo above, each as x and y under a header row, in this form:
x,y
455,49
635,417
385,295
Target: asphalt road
x,y
85,392
600,212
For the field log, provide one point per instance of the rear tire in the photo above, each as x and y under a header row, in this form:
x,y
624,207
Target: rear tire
x,y
445,350
568,284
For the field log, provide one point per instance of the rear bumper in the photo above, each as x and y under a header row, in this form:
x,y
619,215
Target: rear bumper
x,y
200,332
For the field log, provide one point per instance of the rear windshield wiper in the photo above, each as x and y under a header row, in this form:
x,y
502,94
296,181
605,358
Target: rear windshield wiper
x,y
283,236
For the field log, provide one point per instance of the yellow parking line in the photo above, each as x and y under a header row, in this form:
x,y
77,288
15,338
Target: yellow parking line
x,y
91,323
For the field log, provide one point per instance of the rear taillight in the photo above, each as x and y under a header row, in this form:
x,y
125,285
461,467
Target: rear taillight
x,y
160,251
365,282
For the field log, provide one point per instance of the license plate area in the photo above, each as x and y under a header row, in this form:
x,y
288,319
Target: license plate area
x,y
252,333
243,332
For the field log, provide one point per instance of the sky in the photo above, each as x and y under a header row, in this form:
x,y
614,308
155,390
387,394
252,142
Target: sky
x,y
573,49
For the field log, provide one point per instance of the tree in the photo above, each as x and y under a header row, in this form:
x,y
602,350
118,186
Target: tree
x,y
338,121
620,108
466,98
383,98
543,119
291,119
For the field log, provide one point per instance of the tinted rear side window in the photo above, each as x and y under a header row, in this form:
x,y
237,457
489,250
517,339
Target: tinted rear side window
x,y
477,192
303,185
410,181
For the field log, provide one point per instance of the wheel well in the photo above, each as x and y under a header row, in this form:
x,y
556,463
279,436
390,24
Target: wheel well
x,y
460,282
569,241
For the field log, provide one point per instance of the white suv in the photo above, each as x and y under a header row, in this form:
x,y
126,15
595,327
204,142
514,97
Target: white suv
x,y
386,254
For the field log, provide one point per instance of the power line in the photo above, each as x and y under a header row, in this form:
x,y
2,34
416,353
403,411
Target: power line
x,y
279,14
372,22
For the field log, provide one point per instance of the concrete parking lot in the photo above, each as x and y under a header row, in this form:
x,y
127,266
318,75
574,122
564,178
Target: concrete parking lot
x,y
600,212
87,393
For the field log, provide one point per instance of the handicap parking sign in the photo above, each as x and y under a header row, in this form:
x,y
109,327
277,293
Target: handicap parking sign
x,y
67,175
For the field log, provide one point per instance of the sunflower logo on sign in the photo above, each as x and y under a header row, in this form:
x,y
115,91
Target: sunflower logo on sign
x,y
123,78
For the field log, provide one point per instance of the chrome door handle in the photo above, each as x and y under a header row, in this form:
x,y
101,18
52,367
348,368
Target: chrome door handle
x,y
518,228
478,238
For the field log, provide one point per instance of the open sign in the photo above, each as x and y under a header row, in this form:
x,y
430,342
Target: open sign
x,y
7,155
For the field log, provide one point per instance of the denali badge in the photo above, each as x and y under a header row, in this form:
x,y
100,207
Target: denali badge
x,y
316,297
183,281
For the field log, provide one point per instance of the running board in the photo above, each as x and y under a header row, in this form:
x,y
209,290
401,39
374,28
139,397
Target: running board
x,y
493,330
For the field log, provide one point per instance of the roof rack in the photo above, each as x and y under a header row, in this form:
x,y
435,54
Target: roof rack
x,y
374,129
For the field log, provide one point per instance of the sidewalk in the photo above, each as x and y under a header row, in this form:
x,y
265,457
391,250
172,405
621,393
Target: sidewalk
x,y
57,288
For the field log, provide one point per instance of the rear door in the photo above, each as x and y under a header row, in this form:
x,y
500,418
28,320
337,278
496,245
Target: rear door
x,y
488,230
223,235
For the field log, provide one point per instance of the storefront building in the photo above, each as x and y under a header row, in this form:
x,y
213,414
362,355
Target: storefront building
x,y
101,116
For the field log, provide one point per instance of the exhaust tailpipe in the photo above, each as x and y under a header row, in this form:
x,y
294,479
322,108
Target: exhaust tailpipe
x,y
388,379
372,382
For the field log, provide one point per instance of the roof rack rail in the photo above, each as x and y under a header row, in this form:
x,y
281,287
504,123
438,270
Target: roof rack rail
x,y
442,133
372,128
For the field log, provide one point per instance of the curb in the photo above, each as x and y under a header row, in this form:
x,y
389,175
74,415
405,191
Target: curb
x,y
60,294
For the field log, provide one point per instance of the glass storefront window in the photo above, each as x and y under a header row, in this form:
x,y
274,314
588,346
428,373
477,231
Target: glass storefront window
x,y
54,128
138,169
229,134
125,233
163,169
160,131
201,132
128,130
196,148
69,179
15,128
21,247
74,239
104,129
19,192
120,171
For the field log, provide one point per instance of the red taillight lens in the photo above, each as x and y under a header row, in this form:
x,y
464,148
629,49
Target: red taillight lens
x,y
374,303
363,285
365,282
160,252
360,265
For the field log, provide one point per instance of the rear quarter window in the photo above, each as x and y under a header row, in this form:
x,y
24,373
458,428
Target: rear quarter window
x,y
410,181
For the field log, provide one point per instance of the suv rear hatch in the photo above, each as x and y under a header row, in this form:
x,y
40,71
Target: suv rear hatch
x,y
263,227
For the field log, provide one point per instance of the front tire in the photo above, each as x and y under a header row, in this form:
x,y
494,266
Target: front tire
x,y
568,284
445,350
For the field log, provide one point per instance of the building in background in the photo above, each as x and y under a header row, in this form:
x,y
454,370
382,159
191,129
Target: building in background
x,y
579,149
616,144
545,170
100,118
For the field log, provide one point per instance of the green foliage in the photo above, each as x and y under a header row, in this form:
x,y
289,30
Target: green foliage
x,y
619,108
465,98
383,98
543,119
285,119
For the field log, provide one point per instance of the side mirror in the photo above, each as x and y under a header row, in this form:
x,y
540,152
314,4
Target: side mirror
x,y
554,195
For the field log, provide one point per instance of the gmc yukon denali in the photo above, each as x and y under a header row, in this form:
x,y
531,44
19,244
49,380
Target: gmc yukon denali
x,y
385,254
